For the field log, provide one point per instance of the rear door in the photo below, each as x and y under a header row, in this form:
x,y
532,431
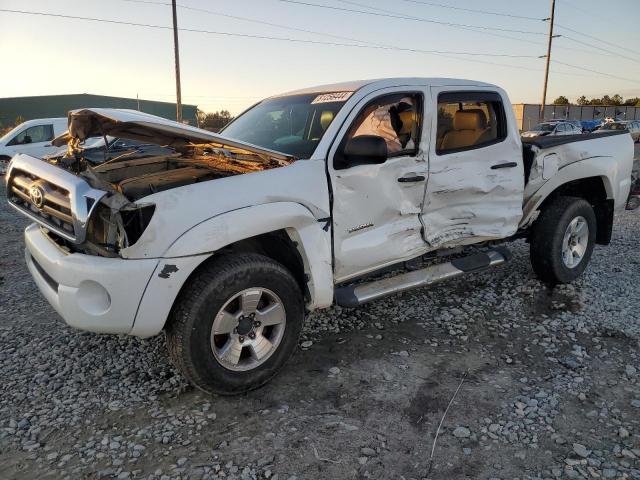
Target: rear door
x,y
376,207
476,174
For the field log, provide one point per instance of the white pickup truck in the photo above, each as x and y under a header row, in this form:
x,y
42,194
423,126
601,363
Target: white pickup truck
x,y
298,204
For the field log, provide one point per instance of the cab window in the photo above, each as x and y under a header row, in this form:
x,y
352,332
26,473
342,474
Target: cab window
x,y
395,118
469,120
36,134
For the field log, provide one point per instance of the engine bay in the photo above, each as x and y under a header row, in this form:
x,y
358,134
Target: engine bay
x,y
136,178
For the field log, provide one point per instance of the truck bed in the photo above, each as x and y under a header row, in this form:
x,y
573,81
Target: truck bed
x,y
544,143
548,142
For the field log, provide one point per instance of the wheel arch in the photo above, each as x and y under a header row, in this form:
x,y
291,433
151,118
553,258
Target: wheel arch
x,y
286,232
597,190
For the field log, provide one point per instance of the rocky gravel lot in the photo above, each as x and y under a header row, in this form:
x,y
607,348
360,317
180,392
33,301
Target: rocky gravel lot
x,y
550,386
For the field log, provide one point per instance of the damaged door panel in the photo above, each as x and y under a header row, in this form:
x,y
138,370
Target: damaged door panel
x,y
476,177
377,206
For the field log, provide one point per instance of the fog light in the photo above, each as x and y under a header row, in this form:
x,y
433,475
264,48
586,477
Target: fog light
x,y
93,298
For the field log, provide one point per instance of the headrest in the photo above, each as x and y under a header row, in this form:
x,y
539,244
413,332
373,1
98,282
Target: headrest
x,y
326,118
403,118
469,120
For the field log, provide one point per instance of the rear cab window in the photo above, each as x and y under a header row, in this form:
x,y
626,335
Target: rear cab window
x,y
469,120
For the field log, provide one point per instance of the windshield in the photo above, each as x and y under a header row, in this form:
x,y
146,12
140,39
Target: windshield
x,y
613,126
544,127
293,125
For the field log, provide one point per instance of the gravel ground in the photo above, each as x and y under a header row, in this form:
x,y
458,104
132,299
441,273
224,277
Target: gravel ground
x,y
550,386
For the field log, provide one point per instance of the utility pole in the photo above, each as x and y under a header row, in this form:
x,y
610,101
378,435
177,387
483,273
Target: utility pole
x,y
177,60
546,69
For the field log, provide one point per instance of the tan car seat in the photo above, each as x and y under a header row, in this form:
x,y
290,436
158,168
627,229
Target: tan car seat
x,y
468,127
326,118
318,129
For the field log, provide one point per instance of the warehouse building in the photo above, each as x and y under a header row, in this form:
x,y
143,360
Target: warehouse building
x,y
527,114
47,106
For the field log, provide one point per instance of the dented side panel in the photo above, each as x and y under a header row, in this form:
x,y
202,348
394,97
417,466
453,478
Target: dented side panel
x,y
466,201
376,217
608,157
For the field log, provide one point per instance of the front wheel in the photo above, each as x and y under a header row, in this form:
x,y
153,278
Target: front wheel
x,y
562,240
236,323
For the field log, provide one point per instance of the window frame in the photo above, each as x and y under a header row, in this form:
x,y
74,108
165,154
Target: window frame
x,y
338,157
461,96
13,142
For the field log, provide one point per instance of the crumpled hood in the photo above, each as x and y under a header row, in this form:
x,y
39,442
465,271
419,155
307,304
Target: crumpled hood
x,y
134,125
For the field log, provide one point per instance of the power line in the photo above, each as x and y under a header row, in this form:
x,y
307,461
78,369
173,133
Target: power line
x,y
340,37
263,37
472,29
484,12
634,80
610,52
596,38
405,17
266,37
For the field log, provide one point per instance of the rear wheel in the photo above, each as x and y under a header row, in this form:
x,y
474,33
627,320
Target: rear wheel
x,y
562,240
236,324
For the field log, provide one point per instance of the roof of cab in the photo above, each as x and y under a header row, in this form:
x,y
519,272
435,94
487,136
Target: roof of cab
x,y
354,85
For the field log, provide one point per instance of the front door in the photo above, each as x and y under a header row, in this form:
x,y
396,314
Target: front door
x,y
377,202
476,173
34,141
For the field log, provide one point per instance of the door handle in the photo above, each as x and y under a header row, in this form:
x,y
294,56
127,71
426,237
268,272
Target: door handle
x,y
417,178
504,165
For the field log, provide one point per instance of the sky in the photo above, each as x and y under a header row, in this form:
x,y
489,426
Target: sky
x,y
45,55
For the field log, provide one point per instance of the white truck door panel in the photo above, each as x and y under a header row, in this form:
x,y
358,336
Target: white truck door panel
x,y
376,208
476,174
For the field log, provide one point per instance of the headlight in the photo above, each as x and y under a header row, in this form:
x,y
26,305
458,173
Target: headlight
x,y
113,231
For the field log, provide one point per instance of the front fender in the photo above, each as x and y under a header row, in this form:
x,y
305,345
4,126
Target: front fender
x,y
314,243
197,244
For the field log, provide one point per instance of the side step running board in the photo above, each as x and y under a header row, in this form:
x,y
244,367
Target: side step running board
x,y
354,295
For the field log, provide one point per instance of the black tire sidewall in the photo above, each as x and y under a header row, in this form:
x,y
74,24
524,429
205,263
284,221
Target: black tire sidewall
x,y
566,210
208,374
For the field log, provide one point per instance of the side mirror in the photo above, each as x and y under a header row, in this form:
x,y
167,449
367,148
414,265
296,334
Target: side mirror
x,y
365,150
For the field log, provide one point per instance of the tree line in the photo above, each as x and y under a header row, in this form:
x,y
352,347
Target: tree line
x,y
213,121
605,100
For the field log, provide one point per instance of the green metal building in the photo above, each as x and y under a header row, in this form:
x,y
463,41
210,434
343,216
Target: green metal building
x,y
47,106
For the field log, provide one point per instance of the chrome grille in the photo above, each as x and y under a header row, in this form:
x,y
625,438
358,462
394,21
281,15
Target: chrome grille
x,y
51,196
55,207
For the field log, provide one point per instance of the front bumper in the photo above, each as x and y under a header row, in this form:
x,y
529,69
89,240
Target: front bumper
x,y
89,292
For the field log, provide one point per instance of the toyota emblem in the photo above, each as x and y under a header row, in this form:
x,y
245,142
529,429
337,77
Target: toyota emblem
x,y
36,194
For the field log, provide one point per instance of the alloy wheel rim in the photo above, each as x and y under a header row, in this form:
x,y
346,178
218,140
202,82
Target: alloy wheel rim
x,y
248,329
575,242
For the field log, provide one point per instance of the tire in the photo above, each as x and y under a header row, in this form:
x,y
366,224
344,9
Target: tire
x,y
548,240
218,295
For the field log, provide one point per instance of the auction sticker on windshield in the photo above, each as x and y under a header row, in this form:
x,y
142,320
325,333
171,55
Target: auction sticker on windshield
x,y
331,97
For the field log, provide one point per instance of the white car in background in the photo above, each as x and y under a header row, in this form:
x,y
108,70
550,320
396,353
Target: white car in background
x,y
546,129
32,137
